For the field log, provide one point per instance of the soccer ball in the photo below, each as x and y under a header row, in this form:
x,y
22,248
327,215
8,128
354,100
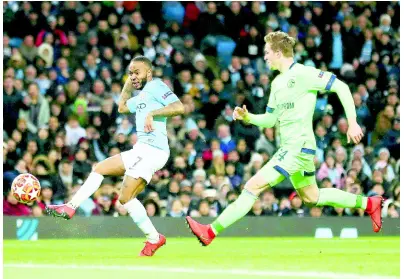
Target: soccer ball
x,y
25,188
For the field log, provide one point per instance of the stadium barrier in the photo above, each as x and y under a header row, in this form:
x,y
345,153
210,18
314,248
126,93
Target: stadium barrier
x,y
111,227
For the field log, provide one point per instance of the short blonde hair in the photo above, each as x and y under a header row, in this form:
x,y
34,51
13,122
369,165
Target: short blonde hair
x,y
280,41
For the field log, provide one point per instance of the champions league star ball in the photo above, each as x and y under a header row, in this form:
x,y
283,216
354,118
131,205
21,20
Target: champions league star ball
x,y
25,188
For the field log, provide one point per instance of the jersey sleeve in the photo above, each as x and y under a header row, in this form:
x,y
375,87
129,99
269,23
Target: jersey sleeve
x,y
131,104
319,80
271,106
162,93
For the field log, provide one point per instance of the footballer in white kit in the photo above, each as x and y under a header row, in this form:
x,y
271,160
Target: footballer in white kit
x,y
152,101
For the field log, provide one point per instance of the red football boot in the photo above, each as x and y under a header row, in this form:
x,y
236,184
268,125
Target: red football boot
x,y
374,209
63,210
204,233
150,248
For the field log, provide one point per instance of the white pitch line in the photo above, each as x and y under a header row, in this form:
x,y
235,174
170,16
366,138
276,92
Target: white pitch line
x,y
262,273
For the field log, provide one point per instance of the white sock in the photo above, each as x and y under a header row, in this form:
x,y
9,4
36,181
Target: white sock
x,y
91,185
138,213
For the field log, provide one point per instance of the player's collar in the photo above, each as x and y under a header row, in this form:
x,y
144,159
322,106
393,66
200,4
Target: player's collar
x,y
292,65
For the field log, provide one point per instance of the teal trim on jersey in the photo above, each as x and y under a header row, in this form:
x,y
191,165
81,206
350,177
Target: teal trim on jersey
x,y
270,110
308,151
292,65
330,82
282,171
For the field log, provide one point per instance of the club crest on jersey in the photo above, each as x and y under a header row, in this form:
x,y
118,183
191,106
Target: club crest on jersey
x,y
291,83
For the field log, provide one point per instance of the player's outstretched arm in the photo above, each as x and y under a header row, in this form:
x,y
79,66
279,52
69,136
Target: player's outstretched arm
x,y
126,94
344,94
266,120
172,109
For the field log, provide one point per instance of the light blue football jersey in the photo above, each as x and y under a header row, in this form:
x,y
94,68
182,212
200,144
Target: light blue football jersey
x,y
155,95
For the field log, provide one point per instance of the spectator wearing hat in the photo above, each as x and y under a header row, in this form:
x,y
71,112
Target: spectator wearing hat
x,y
296,203
201,66
383,164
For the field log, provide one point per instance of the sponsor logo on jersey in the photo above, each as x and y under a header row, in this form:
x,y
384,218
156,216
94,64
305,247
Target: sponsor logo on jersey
x,y
321,74
284,106
165,96
291,83
140,106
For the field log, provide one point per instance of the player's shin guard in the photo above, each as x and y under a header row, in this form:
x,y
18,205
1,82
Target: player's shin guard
x,y
139,216
235,211
341,199
91,185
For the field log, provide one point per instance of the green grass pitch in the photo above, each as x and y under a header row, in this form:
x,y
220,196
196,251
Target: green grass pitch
x,y
226,258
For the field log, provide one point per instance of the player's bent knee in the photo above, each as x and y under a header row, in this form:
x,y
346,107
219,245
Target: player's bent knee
x,y
256,185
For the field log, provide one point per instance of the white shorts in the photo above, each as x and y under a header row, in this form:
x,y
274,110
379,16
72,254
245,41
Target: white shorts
x,y
143,161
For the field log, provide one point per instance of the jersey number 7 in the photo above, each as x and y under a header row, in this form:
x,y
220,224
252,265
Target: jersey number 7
x,y
138,159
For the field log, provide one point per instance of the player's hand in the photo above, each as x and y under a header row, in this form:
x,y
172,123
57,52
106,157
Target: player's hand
x,y
240,113
148,124
354,133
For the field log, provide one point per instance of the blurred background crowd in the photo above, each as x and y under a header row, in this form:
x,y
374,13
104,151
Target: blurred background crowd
x,y
65,64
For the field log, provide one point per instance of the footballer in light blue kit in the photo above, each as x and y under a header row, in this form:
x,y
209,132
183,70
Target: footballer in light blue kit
x,y
155,95
152,101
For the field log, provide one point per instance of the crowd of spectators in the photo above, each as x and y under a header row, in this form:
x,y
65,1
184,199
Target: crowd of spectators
x,y
65,64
